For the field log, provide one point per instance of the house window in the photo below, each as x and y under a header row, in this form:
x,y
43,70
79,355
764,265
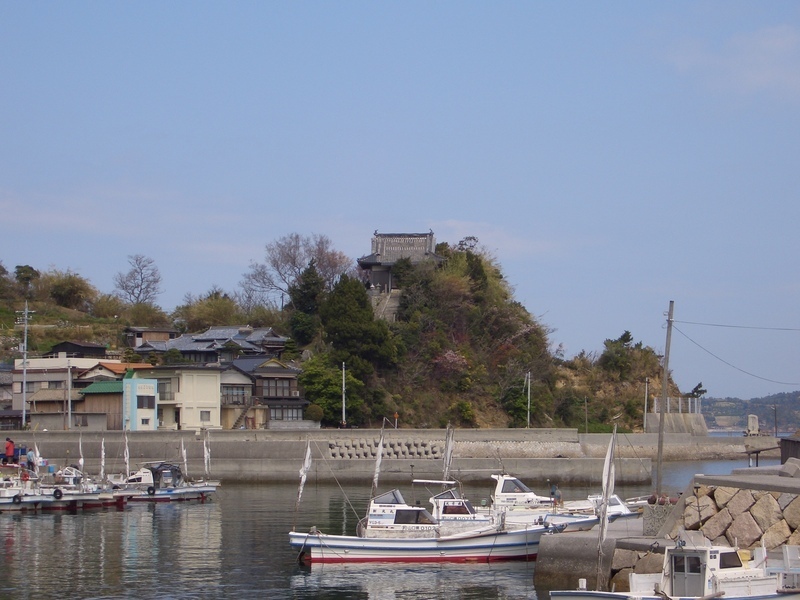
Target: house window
x,y
145,421
277,388
55,385
146,402
80,420
285,413
205,416
167,388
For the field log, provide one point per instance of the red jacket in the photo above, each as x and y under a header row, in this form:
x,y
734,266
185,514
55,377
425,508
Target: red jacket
x,y
9,449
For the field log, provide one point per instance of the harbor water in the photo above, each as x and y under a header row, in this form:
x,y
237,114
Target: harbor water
x,y
236,546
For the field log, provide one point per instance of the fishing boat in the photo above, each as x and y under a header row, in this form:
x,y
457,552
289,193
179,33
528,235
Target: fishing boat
x,y
395,531
164,482
701,570
19,491
521,504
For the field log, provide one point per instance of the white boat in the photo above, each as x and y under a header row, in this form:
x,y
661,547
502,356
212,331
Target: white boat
x,y
704,571
521,505
164,482
394,531
19,491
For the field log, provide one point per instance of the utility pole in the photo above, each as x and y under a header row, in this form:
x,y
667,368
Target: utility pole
x,y
528,381
664,387
25,366
646,384
344,419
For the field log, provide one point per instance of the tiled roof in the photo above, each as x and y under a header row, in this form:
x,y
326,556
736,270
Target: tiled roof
x,y
122,368
214,338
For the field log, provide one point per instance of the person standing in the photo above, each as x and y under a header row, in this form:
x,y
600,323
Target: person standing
x,y
31,460
9,450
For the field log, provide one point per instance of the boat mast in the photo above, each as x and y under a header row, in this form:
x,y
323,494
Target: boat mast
x,y
663,408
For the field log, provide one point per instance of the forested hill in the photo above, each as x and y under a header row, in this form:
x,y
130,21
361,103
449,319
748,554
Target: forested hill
x,y
459,350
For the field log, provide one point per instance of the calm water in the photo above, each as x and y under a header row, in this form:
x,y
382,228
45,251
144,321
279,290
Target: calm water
x,y
236,547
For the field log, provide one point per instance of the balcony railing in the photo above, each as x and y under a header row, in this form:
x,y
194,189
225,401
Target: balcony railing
x,y
234,399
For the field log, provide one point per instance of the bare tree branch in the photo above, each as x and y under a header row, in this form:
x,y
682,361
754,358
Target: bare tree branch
x,y
141,284
287,257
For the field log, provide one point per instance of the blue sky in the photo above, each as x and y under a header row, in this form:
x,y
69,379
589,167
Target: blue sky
x,y
612,156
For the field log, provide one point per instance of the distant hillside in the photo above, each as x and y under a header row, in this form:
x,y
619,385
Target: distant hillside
x,y
459,350
778,411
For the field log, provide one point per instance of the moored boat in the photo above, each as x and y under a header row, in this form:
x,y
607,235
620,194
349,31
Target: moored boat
x,y
164,482
394,531
695,571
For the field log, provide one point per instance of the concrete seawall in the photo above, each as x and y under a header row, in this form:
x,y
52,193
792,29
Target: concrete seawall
x,y
349,455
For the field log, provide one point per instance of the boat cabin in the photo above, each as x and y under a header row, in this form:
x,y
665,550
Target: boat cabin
x,y
510,491
389,515
159,475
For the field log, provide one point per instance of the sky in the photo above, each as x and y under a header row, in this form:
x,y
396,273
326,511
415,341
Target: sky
x,y
612,156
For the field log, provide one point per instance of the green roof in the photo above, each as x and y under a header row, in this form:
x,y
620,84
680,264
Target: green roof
x,y
104,387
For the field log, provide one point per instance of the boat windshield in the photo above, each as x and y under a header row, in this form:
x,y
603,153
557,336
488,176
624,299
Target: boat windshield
x,y
393,497
452,493
515,486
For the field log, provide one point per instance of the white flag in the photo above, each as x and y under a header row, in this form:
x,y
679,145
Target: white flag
x,y
185,460
80,453
304,471
207,456
127,458
103,459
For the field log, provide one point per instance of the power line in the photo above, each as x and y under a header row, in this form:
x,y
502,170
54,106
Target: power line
x,y
729,364
739,326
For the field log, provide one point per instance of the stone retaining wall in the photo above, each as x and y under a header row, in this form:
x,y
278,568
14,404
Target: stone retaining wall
x,y
742,510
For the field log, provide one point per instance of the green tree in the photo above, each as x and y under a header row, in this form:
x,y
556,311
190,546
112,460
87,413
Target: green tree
x,y
214,308
69,290
306,294
146,315
322,383
25,276
350,327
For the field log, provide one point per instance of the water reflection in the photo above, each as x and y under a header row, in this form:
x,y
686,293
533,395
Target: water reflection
x,y
394,582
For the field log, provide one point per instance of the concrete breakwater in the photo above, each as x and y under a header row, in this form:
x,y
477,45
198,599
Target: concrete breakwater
x,y
348,455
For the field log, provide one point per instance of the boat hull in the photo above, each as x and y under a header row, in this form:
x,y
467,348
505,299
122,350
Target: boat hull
x,y
179,494
590,595
521,544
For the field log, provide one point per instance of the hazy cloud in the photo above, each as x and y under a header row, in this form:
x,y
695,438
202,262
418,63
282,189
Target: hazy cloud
x,y
762,61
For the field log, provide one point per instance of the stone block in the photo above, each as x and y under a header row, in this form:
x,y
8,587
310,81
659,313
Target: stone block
x,y
789,470
792,512
723,494
794,539
620,582
698,511
766,512
624,559
776,535
744,531
785,499
717,525
652,562
741,502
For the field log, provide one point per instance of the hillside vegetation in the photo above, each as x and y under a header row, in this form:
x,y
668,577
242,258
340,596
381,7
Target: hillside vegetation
x,y
459,349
